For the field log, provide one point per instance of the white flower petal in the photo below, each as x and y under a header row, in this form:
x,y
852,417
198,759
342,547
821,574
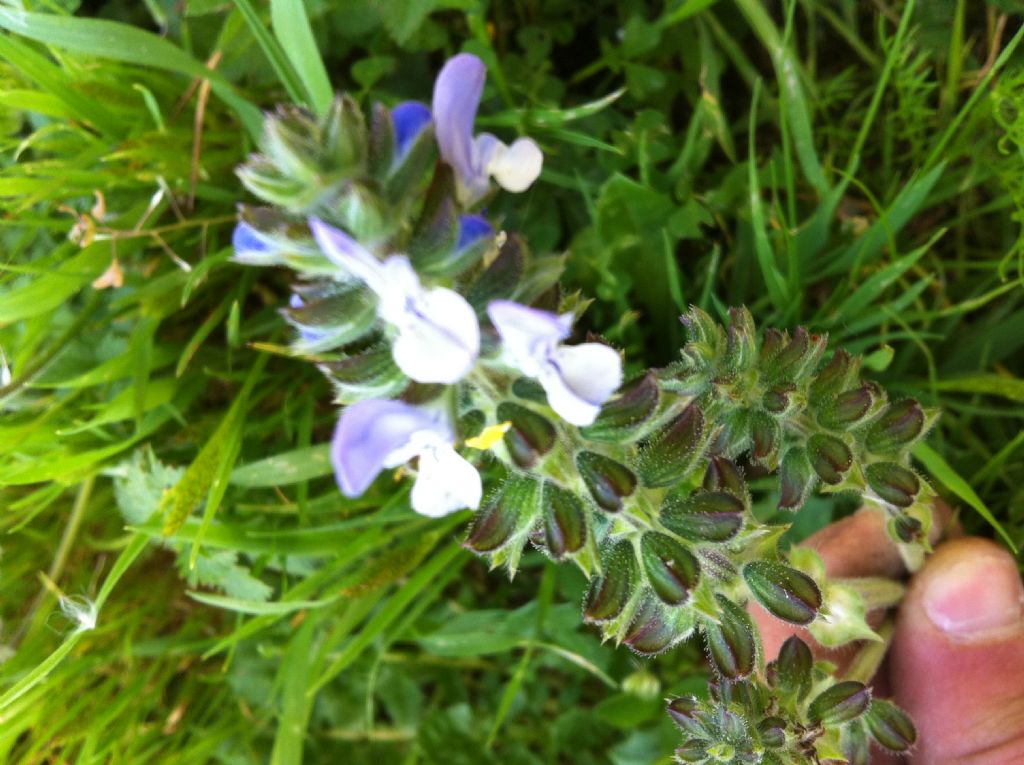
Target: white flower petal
x,y
580,379
399,287
516,167
438,338
446,483
528,335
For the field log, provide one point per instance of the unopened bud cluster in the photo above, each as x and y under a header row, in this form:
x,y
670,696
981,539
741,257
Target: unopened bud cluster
x,y
449,345
796,713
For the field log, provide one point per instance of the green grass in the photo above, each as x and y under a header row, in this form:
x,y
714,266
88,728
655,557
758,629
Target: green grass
x,y
857,167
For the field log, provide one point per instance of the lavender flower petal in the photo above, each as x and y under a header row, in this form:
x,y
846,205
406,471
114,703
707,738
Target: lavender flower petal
x,y
457,92
377,433
529,335
345,252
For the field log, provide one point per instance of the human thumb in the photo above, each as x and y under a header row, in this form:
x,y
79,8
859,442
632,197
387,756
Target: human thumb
x,y
957,658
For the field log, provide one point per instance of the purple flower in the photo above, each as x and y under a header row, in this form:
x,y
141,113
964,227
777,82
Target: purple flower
x,y
377,434
409,118
472,228
253,247
475,159
437,336
578,379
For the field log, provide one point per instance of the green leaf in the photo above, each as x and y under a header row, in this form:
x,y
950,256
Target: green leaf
x,y
286,468
945,474
291,26
256,607
120,42
53,288
989,385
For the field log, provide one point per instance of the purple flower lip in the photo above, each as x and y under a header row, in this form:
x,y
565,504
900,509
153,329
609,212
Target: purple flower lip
x,y
577,379
437,335
377,434
475,159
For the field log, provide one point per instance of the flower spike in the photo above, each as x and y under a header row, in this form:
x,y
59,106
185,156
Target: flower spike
x,y
475,159
376,434
578,379
438,336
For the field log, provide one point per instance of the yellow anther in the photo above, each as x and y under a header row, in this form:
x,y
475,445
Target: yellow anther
x,y
489,436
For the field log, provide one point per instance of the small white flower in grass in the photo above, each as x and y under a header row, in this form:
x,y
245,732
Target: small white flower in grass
x,y
476,159
377,434
578,379
437,334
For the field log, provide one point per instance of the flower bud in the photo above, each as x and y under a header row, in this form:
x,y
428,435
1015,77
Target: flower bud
x,y
766,436
705,334
565,522
790,672
329,319
724,475
530,437
731,642
431,244
906,528
693,750
772,343
791,353
610,592
839,704
847,408
710,516
675,450
621,418
370,373
650,632
672,570
893,483
890,726
682,710
343,135
830,457
898,426
797,357
784,592
507,268
607,480
380,141
741,341
409,169
795,479
834,376
777,400
508,515
773,732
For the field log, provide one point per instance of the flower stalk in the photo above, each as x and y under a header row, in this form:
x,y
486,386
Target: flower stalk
x,y
452,349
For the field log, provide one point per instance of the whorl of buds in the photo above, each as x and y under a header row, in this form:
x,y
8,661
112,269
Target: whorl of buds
x,y
796,716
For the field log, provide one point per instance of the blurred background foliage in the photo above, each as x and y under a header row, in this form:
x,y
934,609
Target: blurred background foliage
x,y
854,166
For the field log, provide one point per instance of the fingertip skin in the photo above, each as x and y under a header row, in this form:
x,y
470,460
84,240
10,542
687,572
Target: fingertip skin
x,y
957,657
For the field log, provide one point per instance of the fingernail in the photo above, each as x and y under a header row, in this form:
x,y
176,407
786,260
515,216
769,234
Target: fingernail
x,y
975,597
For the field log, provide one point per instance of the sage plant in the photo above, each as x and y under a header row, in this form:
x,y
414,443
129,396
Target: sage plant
x,y
452,352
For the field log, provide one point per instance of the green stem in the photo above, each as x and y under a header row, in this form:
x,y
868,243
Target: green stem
x,y
869,658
